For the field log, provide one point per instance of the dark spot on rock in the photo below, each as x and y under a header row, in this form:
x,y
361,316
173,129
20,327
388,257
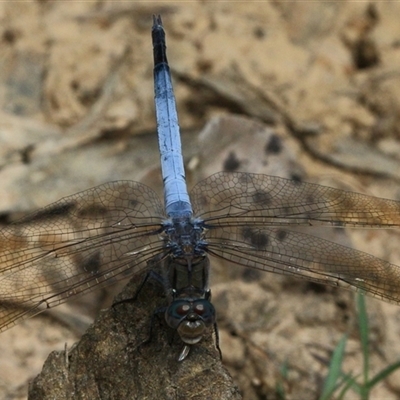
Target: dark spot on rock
x,y
372,13
133,203
251,275
274,145
9,36
201,203
310,199
342,305
365,54
256,238
231,163
281,235
316,287
26,154
52,211
296,178
259,32
245,178
5,219
93,211
286,211
396,43
261,197
205,66
91,264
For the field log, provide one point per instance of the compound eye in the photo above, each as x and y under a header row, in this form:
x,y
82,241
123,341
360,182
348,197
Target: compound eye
x,y
182,309
177,312
205,310
199,309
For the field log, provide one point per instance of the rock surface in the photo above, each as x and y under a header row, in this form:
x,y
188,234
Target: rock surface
x,y
316,88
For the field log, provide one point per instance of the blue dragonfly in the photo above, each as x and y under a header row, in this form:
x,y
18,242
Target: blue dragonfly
x,y
92,239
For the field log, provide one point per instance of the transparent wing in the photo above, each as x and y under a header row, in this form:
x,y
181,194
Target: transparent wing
x,y
263,200
78,244
253,220
291,253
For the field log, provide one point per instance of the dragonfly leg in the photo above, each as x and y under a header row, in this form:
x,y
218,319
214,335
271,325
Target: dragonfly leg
x,y
216,332
150,335
151,275
186,349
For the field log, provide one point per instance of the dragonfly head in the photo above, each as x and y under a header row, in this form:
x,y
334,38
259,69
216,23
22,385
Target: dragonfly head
x,y
190,318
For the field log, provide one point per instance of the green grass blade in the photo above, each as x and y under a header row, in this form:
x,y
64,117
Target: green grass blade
x,y
383,374
279,389
364,335
348,382
335,368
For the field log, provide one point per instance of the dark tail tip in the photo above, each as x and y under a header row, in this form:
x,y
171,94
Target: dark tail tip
x,y
157,21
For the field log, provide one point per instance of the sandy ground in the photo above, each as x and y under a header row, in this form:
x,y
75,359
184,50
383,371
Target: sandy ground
x,y
76,97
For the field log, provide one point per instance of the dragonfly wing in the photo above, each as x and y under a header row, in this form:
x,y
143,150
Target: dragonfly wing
x,y
243,198
82,242
298,254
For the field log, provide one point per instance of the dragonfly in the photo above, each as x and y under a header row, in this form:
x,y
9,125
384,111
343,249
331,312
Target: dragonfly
x,y
96,237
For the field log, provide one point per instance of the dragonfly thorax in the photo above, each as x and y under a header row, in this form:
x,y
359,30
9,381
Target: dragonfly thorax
x,y
184,236
190,311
